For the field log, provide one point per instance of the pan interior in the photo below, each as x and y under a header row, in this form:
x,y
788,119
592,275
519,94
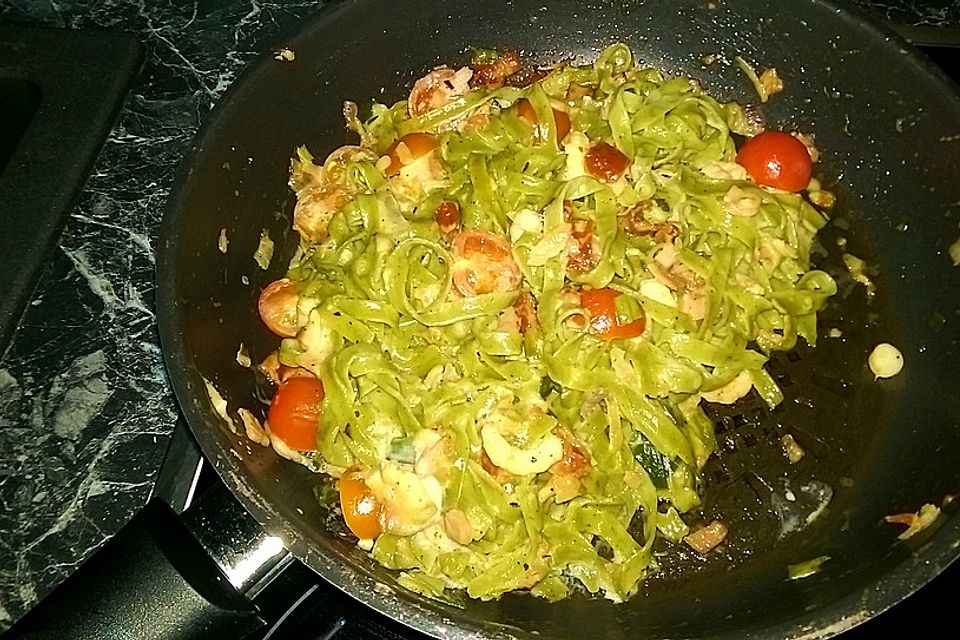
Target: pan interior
x,y
886,120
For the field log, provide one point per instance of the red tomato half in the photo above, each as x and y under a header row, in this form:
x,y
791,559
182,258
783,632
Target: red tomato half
x,y
602,320
294,413
361,511
777,159
605,162
278,307
448,215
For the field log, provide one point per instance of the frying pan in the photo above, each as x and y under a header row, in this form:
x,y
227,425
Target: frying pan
x,y
889,125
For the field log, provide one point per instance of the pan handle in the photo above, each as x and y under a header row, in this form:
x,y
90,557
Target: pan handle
x,y
153,579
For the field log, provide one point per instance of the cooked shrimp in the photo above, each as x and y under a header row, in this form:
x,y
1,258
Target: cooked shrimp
x,y
494,73
407,501
483,263
437,88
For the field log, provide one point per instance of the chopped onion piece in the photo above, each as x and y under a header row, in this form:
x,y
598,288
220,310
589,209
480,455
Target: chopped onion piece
x,y
955,253
885,361
766,84
253,428
285,55
771,82
822,199
858,271
243,357
793,451
264,253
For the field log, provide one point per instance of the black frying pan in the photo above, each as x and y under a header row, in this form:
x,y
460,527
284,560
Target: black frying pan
x,y
889,124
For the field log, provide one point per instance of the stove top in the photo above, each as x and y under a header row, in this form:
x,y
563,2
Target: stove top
x,y
299,604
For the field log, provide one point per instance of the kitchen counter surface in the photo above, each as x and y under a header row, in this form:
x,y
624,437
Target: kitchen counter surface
x,y
85,408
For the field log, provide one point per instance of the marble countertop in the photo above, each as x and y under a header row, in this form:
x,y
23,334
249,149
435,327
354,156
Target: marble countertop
x,y
86,411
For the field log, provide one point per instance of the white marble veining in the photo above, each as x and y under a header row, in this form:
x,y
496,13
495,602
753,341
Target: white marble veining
x,y
85,408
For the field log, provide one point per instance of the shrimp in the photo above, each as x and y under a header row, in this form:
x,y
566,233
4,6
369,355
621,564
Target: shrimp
x,y
483,263
494,73
437,88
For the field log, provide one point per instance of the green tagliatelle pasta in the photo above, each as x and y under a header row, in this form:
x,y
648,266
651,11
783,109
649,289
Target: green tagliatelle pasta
x,y
507,442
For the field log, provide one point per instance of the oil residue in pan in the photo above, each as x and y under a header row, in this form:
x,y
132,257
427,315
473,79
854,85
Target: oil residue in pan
x,y
830,408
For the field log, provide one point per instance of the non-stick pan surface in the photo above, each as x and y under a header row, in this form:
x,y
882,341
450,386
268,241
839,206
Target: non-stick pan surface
x,y
889,125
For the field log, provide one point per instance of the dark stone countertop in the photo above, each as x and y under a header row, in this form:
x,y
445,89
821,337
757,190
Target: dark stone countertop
x,y
85,408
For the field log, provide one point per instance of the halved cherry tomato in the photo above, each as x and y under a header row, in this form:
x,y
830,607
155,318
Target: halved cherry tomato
x,y
602,320
605,162
361,511
776,159
448,215
483,263
408,149
278,307
528,114
294,413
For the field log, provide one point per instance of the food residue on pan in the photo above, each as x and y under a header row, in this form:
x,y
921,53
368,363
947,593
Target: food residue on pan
x,y
243,356
219,405
766,84
858,271
916,522
955,253
799,507
706,539
791,449
806,568
222,241
285,55
885,360
264,253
